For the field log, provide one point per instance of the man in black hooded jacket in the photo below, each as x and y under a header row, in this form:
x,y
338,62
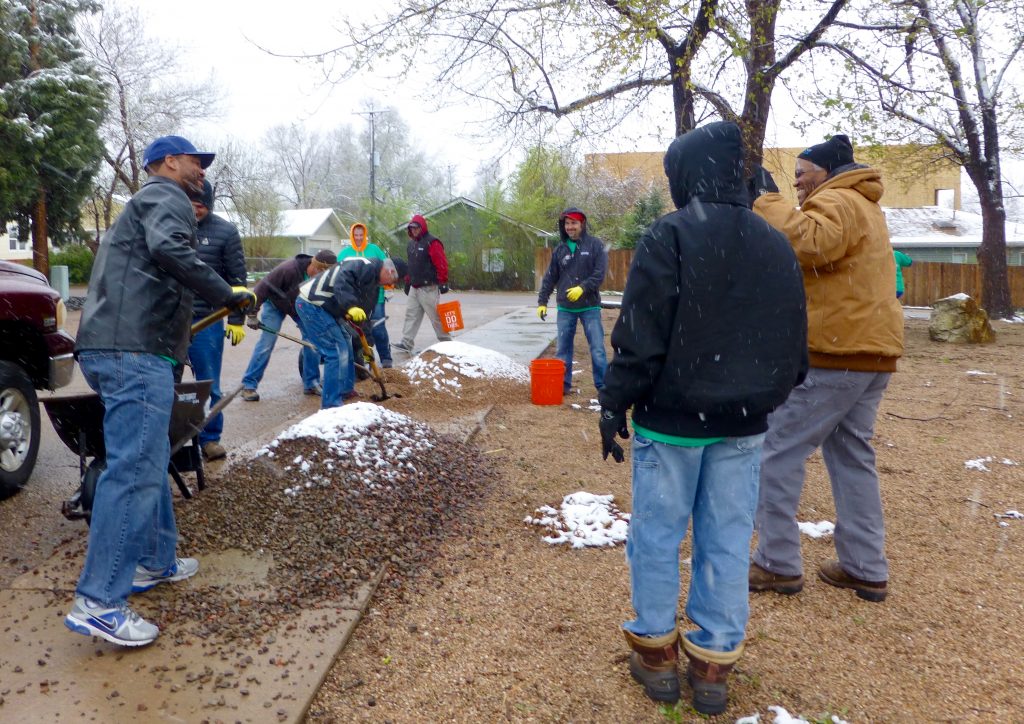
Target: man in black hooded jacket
x,y
712,336
576,272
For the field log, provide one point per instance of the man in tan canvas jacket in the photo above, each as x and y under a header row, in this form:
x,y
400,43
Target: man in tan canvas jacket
x,y
855,336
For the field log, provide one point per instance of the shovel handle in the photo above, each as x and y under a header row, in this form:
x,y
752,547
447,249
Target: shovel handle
x,y
208,320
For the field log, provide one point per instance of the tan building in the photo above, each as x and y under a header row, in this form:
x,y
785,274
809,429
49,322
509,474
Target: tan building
x,y
914,176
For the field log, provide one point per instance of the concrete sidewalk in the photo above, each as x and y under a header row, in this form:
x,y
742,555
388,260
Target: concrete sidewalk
x,y
49,674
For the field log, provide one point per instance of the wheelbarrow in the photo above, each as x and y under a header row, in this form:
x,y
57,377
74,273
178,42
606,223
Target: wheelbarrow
x,y
78,421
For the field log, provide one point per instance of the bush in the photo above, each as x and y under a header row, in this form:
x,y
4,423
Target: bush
x,y
78,259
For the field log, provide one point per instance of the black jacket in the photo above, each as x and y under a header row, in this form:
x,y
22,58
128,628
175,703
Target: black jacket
x,y
586,268
281,285
220,248
354,282
713,330
145,273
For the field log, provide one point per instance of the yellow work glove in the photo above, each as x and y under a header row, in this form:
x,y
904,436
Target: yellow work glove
x,y
542,312
234,332
574,293
241,298
356,314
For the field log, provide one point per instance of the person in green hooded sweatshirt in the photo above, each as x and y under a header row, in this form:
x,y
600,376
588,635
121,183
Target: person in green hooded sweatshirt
x,y
360,245
902,260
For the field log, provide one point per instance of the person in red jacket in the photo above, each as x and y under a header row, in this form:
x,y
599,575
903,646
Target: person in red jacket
x,y
426,281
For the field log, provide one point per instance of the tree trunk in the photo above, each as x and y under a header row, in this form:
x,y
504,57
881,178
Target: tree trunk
x,y
40,249
995,284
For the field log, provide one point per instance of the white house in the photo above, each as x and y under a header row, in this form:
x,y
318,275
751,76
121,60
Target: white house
x,y
10,248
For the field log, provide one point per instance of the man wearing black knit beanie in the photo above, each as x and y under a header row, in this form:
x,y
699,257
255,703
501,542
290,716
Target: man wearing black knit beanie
x,y
854,337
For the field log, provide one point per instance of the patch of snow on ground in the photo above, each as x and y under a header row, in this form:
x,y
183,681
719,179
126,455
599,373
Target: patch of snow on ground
x,y
467,360
583,520
784,717
978,464
979,372
817,530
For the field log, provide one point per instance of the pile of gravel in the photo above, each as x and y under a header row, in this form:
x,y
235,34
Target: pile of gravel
x,y
333,505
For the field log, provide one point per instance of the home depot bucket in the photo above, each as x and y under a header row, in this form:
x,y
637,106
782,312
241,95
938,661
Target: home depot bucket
x,y
451,315
546,381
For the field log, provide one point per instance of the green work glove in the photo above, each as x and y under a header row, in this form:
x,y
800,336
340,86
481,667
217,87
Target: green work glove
x,y
356,314
542,312
574,293
234,332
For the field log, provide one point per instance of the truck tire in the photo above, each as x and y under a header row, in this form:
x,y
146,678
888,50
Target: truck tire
x,y
19,428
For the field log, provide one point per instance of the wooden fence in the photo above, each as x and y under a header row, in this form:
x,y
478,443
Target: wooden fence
x,y
925,281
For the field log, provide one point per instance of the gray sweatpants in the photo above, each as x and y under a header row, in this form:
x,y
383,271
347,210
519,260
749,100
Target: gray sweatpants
x,y
834,410
422,300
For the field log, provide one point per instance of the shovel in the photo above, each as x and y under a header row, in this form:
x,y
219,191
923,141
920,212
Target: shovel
x,y
290,338
375,372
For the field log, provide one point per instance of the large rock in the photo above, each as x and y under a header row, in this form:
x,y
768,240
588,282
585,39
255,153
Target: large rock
x,y
960,320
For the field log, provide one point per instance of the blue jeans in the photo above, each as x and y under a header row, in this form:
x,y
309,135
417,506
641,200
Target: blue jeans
x,y
591,320
206,353
380,334
334,342
716,486
132,513
273,318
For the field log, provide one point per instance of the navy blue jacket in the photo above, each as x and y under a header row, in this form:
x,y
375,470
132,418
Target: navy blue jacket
x,y
586,268
712,335
220,248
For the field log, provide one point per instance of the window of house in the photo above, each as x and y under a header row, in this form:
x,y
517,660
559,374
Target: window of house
x,y
945,198
959,257
493,260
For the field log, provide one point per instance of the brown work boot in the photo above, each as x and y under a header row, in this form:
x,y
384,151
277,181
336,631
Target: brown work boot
x,y
213,450
832,573
760,579
707,673
250,395
652,662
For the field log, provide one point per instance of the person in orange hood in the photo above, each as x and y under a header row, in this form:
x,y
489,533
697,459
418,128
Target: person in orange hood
x,y
359,244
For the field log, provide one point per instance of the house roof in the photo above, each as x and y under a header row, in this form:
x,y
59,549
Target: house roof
x,y
935,226
463,201
306,222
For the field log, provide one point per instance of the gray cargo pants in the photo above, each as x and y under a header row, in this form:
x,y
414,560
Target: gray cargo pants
x,y
834,410
422,301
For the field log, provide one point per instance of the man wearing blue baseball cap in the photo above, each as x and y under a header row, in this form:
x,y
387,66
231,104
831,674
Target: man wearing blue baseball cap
x,y
134,332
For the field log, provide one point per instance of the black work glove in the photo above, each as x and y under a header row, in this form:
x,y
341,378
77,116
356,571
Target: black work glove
x,y
761,182
443,289
612,424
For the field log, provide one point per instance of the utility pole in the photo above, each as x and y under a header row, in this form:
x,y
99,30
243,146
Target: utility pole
x,y
374,161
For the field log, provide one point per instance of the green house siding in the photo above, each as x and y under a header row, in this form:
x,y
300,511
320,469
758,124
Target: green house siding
x,y
957,254
485,250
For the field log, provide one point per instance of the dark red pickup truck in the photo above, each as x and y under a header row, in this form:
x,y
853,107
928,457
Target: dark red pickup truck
x,y
35,354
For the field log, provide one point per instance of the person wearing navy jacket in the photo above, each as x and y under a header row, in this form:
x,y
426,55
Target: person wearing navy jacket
x,y
576,272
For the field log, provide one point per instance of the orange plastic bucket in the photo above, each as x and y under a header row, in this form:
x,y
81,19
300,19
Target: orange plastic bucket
x,y
546,381
451,315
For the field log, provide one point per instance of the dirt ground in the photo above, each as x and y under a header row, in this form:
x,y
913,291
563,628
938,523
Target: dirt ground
x,y
511,628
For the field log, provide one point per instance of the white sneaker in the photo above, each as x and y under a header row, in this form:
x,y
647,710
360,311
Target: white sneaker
x,y
181,569
117,625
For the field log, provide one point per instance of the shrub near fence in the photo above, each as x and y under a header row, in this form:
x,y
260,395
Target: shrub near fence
x,y
925,281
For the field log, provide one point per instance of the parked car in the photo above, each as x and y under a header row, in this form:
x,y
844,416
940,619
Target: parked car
x,y
35,354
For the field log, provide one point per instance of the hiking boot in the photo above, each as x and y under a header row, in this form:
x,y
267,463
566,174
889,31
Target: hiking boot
x,y
250,395
213,450
181,569
316,389
407,348
652,663
707,673
386,364
120,625
350,396
832,573
764,580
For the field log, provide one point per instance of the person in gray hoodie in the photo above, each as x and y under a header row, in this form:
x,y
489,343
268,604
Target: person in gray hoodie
x,y
576,272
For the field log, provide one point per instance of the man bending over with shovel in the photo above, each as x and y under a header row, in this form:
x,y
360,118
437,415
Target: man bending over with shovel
x,y
325,302
275,294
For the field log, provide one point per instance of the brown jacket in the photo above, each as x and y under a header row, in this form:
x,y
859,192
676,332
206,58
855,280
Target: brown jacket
x,y
842,243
